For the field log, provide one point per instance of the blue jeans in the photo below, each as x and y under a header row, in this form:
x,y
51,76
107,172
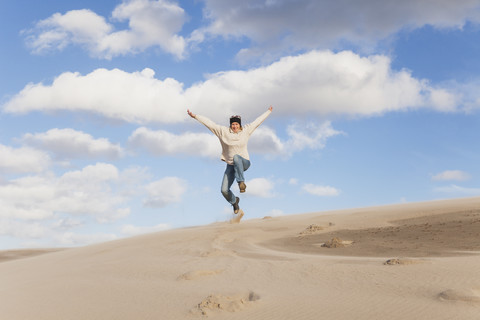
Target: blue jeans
x,y
234,172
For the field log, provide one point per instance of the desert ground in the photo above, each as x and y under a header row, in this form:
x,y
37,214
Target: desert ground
x,y
403,261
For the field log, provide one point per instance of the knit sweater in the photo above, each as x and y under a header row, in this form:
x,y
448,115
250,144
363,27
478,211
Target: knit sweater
x,y
233,143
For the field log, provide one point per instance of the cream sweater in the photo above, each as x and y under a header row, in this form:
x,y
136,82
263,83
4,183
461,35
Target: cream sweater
x,y
233,143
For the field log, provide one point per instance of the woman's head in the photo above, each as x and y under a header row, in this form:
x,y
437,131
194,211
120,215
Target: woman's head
x,y
236,123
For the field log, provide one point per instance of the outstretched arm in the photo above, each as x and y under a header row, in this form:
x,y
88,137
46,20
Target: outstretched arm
x,y
212,126
191,114
254,125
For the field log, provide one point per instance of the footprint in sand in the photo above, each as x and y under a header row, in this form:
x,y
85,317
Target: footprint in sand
x,y
396,261
217,253
218,246
198,274
218,303
466,295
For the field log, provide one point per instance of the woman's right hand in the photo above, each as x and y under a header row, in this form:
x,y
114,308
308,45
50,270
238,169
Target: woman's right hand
x,y
191,114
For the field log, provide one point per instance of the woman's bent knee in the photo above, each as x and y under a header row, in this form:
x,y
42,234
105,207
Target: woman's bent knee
x,y
224,192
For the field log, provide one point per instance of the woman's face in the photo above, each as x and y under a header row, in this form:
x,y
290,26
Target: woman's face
x,y
235,126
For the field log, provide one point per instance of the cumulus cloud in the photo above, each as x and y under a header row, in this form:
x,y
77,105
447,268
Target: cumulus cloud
x,y
321,84
89,191
450,175
300,136
161,143
42,234
134,97
265,141
69,143
458,190
67,223
311,135
260,187
27,198
313,24
272,26
315,84
165,191
152,23
322,191
21,229
47,210
56,32
23,160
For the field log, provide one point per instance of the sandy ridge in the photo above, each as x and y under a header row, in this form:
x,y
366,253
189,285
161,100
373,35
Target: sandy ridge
x,y
416,261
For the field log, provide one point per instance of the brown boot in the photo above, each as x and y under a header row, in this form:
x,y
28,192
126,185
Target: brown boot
x,y
235,206
242,186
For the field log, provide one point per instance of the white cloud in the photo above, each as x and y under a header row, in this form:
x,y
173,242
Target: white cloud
x,y
322,191
454,189
316,84
161,143
260,187
84,192
444,101
69,143
47,210
311,135
38,234
20,229
66,224
133,179
273,26
469,92
131,230
165,191
293,181
300,136
313,24
134,97
152,23
23,160
265,141
27,198
450,175
82,27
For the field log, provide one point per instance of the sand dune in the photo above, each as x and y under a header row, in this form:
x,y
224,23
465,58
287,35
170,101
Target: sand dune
x,y
23,253
409,261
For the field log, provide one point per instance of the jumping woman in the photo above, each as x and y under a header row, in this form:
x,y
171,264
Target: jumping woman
x,y
234,141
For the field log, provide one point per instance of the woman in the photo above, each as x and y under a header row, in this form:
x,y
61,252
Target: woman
x,y
234,141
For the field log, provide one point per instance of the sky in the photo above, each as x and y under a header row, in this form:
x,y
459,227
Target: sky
x,y
374,103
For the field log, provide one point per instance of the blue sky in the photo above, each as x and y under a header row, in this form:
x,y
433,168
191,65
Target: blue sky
x,y
374,103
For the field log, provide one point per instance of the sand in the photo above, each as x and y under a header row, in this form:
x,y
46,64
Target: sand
x,y
406,261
